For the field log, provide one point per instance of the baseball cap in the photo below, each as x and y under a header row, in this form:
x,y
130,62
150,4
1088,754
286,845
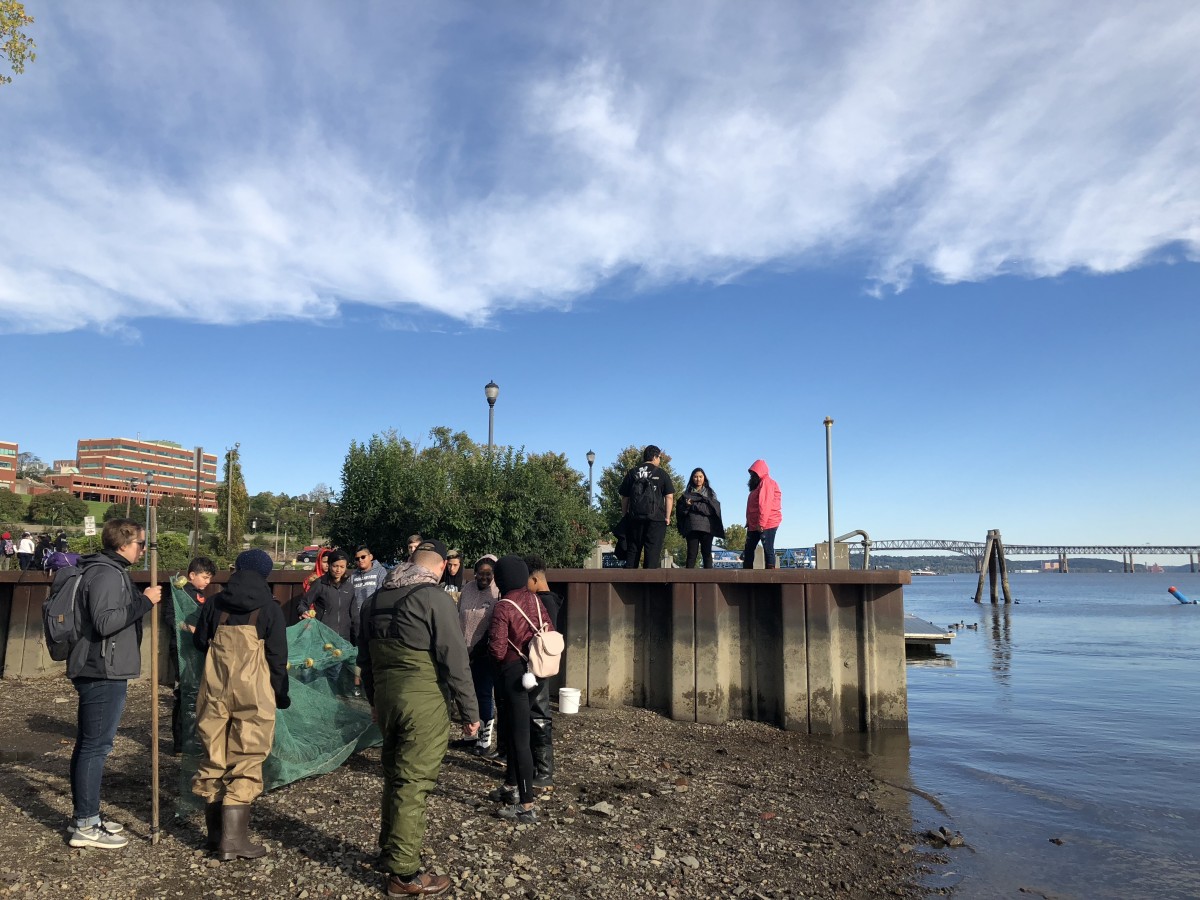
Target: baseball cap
x,y
432,546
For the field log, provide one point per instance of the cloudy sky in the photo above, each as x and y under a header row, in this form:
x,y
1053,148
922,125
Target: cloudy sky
x,y
969,232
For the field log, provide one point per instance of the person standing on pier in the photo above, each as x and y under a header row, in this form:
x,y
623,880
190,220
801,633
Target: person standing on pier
x,y
647,495
700,518
764,512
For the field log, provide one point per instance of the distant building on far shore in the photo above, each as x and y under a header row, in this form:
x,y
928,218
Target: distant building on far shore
x,y
111,470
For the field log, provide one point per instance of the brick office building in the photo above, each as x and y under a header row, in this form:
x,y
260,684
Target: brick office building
x,y
113,469
8,465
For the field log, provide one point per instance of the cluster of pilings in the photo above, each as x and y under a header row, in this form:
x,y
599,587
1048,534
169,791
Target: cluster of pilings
x,y
995,567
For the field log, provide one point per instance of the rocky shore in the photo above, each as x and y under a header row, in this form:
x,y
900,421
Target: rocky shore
x,y
643,807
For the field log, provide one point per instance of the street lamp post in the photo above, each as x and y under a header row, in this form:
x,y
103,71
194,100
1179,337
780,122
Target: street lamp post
x,y
149,481
829,481
277,535
491,390
591,458
311,524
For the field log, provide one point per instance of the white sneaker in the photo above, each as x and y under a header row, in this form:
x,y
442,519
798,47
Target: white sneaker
x,y
98,838
110,826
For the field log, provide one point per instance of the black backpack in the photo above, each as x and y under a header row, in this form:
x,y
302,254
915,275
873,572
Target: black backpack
x,y
62,615
645,500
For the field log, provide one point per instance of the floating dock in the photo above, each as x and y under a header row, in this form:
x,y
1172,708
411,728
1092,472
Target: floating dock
x,y
919,633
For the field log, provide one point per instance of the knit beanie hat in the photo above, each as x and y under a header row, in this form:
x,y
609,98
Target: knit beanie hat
x,y
254,561
511,573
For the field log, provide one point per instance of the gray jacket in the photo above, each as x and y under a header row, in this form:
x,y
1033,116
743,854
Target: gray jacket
x,y
112,622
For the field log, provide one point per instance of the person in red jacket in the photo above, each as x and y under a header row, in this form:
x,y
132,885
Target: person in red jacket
x,y
763,514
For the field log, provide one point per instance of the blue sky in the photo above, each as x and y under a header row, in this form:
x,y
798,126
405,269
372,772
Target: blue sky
x,y
969,234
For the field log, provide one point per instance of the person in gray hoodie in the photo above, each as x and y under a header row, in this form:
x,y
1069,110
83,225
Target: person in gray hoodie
x,y
100,664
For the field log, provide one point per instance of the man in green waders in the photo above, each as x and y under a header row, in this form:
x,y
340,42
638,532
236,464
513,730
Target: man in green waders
x,y
409,648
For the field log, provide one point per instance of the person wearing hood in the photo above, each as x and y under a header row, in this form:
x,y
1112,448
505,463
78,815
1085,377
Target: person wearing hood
x,y
242,633
452,578
517,615
475,605
330,600
411,650
100,664
700,518
764,512
61,544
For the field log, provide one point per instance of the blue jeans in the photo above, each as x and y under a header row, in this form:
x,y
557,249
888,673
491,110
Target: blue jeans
x,y
101,703
768,541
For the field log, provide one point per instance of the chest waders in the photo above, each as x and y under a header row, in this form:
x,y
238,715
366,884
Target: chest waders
x,y
415,722
235,724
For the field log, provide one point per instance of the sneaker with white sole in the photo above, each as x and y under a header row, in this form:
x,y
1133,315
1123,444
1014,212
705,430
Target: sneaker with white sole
x,y
506,794
97,838
106,823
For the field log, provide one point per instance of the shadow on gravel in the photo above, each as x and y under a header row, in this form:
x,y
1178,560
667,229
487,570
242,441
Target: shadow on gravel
x,y
40,723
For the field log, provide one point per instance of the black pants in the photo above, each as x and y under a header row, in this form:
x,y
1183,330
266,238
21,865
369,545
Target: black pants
x,y
768,541
515,712
699,540
647,535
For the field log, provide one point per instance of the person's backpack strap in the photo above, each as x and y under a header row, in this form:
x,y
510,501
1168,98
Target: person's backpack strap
x,y
224,620
538,628
253,618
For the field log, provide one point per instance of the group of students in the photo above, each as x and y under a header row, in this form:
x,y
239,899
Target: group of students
x,y
29,555
648,500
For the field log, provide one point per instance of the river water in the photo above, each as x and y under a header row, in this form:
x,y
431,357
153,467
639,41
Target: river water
x,y
1072,715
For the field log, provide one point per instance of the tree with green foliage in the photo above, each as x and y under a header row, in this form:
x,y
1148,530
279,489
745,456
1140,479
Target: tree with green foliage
x,y
13,507
735,538
176,513
229,539
57,508
454,490
610,497
174,552
113,511
16,46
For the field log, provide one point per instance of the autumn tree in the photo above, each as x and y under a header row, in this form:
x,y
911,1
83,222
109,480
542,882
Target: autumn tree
x,y
16,46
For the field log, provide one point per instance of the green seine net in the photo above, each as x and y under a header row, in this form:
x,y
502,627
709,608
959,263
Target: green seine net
x,y
323,726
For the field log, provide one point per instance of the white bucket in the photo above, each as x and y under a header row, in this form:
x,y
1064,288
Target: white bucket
x,y
568,701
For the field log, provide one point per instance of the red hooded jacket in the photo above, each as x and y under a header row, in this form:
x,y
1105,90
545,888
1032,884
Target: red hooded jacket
x,y
764,505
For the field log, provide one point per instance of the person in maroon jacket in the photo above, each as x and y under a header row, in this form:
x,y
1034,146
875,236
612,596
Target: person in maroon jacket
x,y
515,617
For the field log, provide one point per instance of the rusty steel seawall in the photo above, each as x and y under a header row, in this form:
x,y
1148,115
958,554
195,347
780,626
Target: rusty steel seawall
x,y
806,650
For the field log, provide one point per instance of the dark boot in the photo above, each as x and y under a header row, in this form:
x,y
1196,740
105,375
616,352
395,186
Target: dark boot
x,y
235,837
212,819
541,742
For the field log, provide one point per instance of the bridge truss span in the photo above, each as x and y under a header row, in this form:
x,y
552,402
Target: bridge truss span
x,y
976,548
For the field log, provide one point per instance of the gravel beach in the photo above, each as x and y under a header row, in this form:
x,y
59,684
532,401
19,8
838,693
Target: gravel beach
x,y
643,807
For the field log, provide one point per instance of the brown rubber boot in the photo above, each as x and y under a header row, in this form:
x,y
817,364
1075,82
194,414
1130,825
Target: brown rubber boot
x,y
423,885
235,838
212,819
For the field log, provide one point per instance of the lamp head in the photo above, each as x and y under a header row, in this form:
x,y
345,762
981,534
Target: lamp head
x,y
491,390
591,457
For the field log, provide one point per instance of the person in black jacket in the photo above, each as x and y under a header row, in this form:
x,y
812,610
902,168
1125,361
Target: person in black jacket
x,y
331,598
200,572
242,633
100,664
700,518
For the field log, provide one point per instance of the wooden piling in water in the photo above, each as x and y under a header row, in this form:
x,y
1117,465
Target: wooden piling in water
x,y
983,568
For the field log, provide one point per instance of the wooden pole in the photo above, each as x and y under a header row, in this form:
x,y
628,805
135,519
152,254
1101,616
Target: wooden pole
x,y
1003,568
152,537
993,569
983,567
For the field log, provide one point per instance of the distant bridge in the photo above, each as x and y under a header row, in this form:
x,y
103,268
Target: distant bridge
x,y
976,548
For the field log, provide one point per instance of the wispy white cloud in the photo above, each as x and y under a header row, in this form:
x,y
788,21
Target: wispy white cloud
x,y
187,162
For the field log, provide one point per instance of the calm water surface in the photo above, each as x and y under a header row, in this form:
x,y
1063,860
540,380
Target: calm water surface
x,y
1073,715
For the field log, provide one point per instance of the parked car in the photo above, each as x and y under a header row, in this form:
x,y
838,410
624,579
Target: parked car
x,y
308,554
